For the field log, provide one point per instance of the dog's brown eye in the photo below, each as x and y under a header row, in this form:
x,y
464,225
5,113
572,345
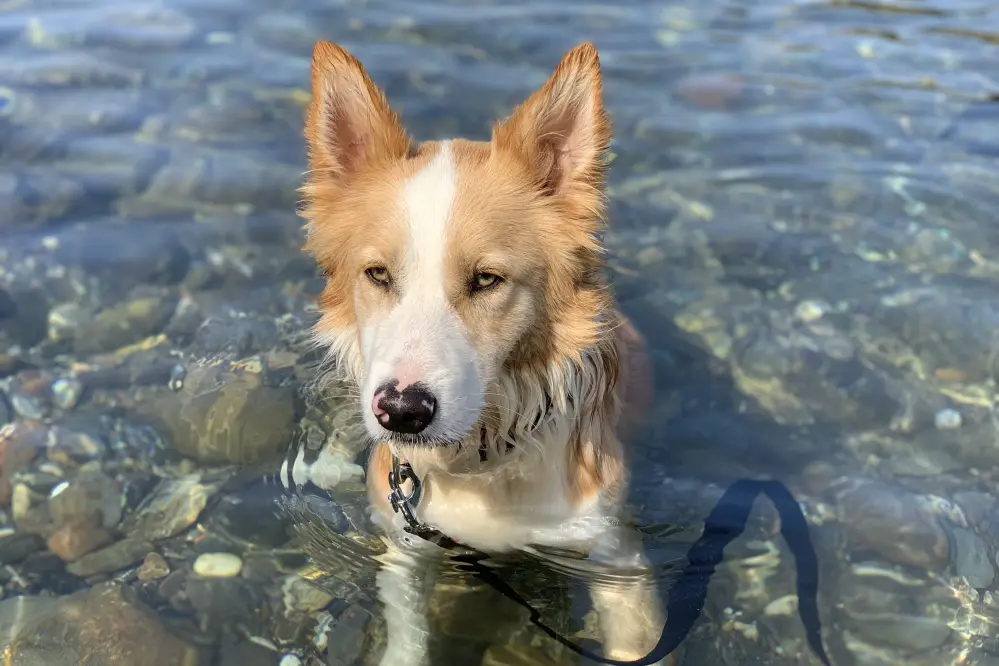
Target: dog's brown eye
x,y
485,281
379,275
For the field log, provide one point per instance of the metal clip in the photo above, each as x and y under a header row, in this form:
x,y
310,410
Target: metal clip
x,y
400,501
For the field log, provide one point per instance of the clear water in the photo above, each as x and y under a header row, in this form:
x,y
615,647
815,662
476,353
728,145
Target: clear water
x,y
803,198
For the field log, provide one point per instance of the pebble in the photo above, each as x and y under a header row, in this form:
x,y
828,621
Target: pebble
x,y
125,323
809,311
174,507
153,567
64,320
290,660
90,496
20,502
300,595
218,565
66,393
74,540
30,407
68,448
113,558
947,419
786,605
17,546
19,445
177,376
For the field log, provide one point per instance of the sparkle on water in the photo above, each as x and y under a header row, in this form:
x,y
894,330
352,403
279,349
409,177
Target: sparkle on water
x,y
803,200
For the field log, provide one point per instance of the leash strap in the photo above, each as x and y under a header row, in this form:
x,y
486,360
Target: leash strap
x,y
687,596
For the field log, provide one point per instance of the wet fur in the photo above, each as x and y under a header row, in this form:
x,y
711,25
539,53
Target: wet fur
x,y
558,393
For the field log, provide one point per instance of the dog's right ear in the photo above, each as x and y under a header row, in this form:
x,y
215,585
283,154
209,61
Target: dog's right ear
x,y
350,124
562,131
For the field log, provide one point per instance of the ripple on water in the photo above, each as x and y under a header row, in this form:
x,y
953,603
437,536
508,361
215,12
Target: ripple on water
x,y
803,199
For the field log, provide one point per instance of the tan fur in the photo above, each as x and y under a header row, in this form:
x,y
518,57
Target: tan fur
x,y
529,206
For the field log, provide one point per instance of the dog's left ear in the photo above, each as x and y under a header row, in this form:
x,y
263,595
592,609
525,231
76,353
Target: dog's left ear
x,y
350,123
562,131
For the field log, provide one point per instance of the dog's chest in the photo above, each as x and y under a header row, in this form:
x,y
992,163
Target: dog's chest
x,y
500,514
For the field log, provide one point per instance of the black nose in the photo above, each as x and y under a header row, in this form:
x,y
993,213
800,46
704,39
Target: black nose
x,y
408,411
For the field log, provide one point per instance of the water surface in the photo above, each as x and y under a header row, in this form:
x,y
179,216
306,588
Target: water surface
x,y
803,198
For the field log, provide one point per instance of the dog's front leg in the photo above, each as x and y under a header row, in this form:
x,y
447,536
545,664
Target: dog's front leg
x,y
628,604
404,583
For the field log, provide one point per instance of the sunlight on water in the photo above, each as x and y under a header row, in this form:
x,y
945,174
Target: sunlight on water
x,y
803,201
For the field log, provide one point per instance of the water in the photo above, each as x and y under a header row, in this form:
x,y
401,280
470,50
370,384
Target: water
x,y
803,227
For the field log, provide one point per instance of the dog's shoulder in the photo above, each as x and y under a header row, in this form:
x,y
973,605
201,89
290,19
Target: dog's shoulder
x,y
636,381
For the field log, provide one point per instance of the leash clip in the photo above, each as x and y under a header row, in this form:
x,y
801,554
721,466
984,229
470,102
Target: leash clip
x,y
400,501
404,504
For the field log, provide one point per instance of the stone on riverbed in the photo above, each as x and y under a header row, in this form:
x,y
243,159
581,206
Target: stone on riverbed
x,y
218,565
100,626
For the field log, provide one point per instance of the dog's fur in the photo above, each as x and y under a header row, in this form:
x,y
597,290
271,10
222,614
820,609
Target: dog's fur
x,y
538,368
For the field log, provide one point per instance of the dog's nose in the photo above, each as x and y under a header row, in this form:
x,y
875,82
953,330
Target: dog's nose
x,y
408,411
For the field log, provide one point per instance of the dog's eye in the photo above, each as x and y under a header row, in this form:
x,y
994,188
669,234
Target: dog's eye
x,y
378,275
485,281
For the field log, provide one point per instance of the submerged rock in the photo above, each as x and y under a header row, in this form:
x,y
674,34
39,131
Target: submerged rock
x,y
117,556
23,316
144,315
153,567
99,626
971,558
890,609
90,495
17,546
172,508
892,523
74,540
225,413
19,445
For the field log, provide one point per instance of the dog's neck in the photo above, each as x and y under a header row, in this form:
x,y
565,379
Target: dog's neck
x,y
532,414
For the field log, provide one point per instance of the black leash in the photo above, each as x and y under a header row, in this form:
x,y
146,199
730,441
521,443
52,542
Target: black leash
x,y
687,596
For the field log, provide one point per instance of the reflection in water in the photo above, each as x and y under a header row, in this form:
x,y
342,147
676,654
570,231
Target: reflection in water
x,y
803,227
465,614
529,584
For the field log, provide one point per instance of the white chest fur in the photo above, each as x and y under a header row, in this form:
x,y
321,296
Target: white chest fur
x,y
506,509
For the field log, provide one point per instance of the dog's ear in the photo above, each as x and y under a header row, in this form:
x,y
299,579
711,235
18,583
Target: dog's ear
x,y
562,131
350,123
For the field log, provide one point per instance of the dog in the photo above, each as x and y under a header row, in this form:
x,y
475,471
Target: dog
x,y
465,299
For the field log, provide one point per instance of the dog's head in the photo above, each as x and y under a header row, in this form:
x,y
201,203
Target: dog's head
x,y
450,265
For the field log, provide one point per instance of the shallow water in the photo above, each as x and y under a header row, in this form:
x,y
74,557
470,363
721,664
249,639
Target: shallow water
x,y
803,227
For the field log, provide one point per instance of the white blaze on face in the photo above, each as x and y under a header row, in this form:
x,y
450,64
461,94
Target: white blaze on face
x,y
422,339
